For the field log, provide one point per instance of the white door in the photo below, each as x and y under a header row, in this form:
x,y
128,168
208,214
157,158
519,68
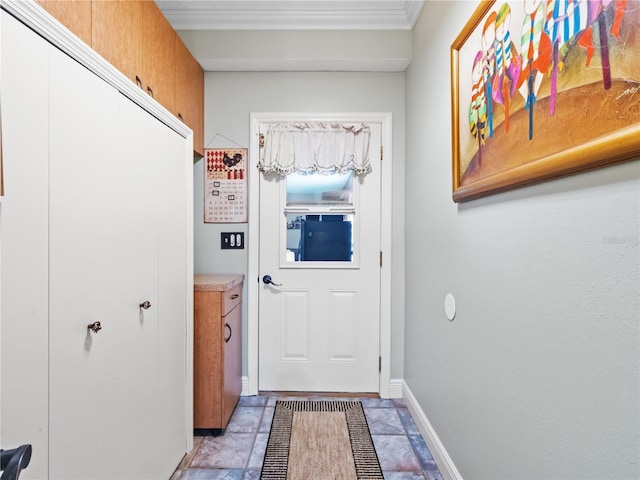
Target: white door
x,y
154,159
116,395
24,246
319,328
102,266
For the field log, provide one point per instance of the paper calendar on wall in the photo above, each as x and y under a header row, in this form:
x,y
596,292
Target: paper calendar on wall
x,y
225,185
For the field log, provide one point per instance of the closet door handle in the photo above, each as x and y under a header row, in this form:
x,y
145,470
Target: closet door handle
x,y
95,327
226,339
145,305
234,296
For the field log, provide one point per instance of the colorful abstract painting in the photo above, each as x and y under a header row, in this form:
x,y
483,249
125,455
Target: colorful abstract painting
x,y
541,89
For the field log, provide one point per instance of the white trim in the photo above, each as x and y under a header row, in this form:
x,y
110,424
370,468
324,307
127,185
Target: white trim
x,y
386,119
439,453
189,292
245,387
386,221
412,10
304,64
39,20
395,387
287,16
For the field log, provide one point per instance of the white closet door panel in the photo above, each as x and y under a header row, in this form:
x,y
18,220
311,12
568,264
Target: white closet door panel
x,y
102,266
171,166
139,365
158,152
24,251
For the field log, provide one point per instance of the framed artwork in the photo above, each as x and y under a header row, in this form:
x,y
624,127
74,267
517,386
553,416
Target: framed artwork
x,y
542,89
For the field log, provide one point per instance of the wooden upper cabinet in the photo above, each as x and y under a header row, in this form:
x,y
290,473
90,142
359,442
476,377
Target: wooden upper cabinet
x,y
73,14
190,94
117,35
136,38
158,55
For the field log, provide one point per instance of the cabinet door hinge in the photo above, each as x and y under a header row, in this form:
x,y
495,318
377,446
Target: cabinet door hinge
x,y
379,364
381,152
261,140
381,259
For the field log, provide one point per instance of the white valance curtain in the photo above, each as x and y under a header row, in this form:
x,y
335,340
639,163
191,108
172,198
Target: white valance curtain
x,y
322,147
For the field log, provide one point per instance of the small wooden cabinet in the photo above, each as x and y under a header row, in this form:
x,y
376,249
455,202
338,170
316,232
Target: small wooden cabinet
x,y
217,349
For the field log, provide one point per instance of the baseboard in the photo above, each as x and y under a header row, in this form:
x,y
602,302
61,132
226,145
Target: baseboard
x,y
245,386
395,387
439,453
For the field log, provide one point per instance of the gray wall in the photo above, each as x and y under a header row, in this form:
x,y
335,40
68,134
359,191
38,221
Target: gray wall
x,y
231,97
537,376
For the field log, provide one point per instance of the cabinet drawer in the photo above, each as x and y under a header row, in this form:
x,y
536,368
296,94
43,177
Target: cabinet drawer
x,y
232,297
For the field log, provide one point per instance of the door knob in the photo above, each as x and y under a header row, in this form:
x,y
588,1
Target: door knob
x,y
145,305
268,280
95,327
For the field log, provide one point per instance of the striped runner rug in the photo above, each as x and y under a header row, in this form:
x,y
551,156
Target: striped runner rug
x,y
320,440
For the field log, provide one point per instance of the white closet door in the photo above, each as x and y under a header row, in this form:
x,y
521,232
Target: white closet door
x,y
103,265
158,154
172,167
24,248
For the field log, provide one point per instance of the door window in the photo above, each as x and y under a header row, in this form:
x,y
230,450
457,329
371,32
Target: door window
x,y
320,219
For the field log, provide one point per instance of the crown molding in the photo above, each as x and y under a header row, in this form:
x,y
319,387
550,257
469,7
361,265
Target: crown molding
x,y
412,11
299,15
387,65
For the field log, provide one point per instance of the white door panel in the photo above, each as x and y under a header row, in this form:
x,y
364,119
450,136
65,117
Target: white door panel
x,y
83,367
166,161
24,244
319,330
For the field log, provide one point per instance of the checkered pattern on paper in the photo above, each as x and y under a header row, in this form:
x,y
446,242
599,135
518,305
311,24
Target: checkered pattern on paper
x,y
225,187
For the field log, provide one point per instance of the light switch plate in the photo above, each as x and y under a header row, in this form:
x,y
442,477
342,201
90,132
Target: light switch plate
x,y
232,240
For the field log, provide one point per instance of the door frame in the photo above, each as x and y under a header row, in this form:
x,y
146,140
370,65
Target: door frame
x,y
386,120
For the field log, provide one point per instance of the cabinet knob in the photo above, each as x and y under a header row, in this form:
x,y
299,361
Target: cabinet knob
x,y
95,327
145,305
150,91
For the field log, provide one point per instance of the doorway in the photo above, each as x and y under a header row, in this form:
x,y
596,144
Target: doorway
x,y
268,250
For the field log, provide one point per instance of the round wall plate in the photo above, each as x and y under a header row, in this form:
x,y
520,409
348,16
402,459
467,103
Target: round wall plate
x,y
450,306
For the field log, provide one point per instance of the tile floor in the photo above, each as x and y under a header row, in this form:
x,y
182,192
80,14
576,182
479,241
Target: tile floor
x,y
238,454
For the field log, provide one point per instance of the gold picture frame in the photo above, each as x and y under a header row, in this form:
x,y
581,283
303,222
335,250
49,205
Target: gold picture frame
x,y
542,89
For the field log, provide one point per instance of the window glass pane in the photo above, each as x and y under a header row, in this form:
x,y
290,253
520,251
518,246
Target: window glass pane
x,y
319,238
317,189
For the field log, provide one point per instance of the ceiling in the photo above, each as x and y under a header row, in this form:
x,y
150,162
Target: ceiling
x,y
291,15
